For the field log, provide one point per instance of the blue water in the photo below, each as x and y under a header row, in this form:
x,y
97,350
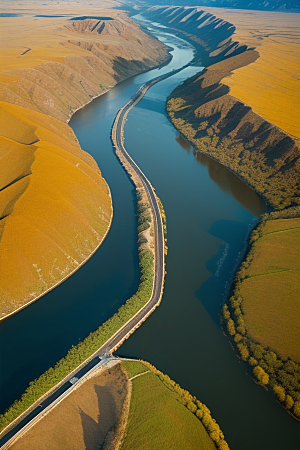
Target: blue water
x,y
209,214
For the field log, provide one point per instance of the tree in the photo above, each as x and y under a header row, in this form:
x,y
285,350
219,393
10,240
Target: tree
x,y
243,351
289,402
279,392
231,327
296,409
199,413
261,375
252,361
192,407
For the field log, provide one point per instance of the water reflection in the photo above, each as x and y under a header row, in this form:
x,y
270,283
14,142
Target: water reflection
x,y
232,184
183,143
213,292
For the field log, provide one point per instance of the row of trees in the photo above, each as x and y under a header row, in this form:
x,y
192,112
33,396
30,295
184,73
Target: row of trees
x,y
269,369
79,353
195,406
164,221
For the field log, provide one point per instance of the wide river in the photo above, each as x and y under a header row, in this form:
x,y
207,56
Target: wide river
x,y
210,213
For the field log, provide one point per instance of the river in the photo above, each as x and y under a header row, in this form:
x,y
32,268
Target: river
x,y
209,215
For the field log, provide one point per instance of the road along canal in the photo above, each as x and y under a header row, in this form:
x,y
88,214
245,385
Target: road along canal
x,y
209,215
41,334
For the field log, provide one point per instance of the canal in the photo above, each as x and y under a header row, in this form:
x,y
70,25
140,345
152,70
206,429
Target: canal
x,y
210,213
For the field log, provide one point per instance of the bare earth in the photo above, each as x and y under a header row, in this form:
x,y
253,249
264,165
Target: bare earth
x,y
85,419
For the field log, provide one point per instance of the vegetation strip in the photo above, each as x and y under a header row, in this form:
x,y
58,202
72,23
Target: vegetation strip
x,y
274,371
78,355
99,367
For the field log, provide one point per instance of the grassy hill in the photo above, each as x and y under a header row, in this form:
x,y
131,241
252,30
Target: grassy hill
x,y
55,207
273,5
262,315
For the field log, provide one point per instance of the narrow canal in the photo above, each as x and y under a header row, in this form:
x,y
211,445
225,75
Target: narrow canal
x,y
210,213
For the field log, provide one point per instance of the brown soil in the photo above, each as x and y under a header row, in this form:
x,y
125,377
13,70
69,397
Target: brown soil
x,y
85,419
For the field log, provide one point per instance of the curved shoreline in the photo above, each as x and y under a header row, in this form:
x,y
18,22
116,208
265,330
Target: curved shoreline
x,y
7,316
2,319
159,270
196,150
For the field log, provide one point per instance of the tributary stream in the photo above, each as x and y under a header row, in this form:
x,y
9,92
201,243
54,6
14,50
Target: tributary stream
x,y
210,213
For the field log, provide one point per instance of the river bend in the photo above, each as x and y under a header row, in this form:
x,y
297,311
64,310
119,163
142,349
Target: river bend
x,y
210,213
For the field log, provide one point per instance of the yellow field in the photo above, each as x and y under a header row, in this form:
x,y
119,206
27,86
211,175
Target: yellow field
x,y
270,85
55,206
271,289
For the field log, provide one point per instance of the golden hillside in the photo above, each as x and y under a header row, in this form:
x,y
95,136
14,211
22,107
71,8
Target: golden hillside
x,y
271,84
55,206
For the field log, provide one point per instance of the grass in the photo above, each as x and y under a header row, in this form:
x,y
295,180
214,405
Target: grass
x,y
79,353
271,312
54,221
53,211
271,289
158,420
262,316
270,85
276,251
134,368
150,412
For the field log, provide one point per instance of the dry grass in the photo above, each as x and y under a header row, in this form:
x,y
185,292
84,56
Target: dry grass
x,y
271,293
54,65
55,216
83,420
50,67
271,84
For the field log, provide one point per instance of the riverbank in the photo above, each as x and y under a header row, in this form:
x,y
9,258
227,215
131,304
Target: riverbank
x,y
267,158
222,126
130,316
261,316
122,387
44,162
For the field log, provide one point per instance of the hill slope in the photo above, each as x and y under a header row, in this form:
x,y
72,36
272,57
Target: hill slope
x,y
55,206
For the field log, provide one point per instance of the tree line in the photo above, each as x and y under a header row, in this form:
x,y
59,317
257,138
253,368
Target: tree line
x,y
280,376
200,410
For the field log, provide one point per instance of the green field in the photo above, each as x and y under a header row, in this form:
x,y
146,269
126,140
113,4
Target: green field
x,y
263,314
271,289
158,419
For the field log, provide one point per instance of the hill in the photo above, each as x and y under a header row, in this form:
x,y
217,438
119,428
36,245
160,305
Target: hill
x,y
55,206
262,5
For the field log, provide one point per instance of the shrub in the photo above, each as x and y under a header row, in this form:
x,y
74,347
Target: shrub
x,y
231,327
